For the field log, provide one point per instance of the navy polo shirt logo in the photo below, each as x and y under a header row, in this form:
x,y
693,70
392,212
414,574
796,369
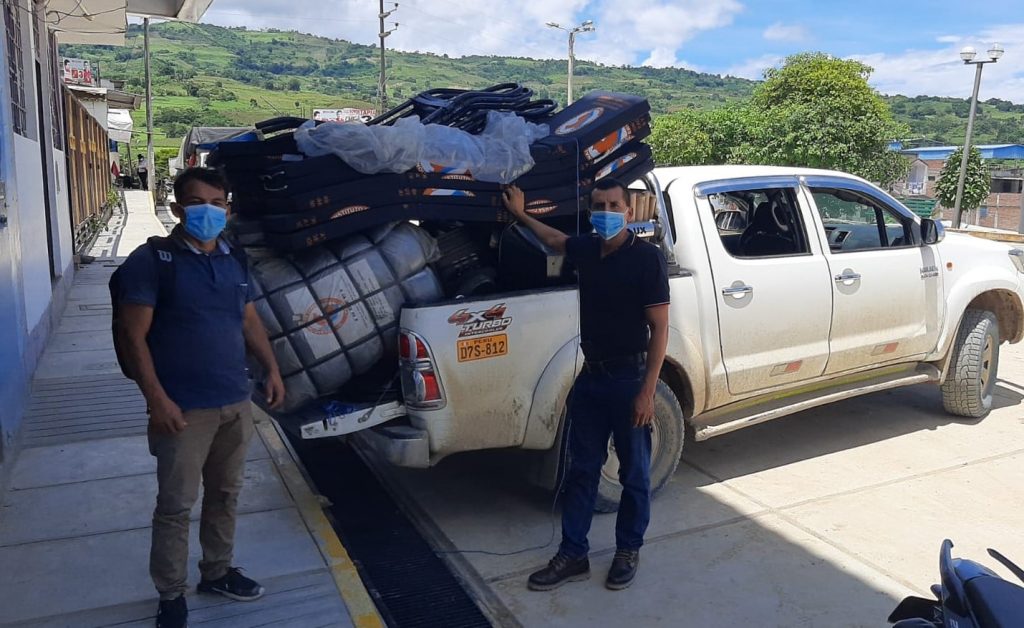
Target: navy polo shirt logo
x,y
165,256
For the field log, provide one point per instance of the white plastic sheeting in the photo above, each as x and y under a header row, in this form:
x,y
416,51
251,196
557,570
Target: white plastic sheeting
x,y
333,309
500,154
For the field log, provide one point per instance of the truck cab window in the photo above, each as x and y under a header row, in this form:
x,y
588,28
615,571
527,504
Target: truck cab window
x,y
854,221
759,223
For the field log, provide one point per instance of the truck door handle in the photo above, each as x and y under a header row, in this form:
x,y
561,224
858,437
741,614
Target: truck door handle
x,y
737,292
847,276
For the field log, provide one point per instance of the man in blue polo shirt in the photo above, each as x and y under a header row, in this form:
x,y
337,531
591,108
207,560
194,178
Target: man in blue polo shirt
x,y
185,347
624,298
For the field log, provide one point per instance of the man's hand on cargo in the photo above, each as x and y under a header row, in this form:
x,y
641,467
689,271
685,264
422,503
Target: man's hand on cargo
x,y
274,388
165,417
515,202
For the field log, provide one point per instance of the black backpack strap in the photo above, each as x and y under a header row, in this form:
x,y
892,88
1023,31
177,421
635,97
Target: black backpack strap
x,y
163,249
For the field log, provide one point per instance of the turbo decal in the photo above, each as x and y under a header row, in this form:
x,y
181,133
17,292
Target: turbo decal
x,y
487,321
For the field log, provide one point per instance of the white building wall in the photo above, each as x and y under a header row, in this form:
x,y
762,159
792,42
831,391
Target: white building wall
x,y
31,208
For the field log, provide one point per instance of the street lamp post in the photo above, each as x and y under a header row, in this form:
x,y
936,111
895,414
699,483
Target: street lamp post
x,y
585,27
968,55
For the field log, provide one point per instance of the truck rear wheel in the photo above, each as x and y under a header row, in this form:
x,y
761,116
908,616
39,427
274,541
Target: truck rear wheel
x,y
668,434
967,389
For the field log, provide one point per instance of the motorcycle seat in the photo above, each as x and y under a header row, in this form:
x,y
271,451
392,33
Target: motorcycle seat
x,y
996,603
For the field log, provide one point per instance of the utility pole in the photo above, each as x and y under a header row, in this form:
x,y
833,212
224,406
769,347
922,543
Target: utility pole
x,y
150,166
382,85
585,27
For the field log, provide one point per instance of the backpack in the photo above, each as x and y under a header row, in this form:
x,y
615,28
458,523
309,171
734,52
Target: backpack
x,y
162,248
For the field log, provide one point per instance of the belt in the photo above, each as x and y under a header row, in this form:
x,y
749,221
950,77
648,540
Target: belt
x,y
636,360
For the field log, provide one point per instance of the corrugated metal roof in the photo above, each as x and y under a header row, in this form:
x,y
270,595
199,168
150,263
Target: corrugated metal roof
x,y
988,151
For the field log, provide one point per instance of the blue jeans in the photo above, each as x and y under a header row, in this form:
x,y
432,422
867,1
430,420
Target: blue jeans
x,y
602,406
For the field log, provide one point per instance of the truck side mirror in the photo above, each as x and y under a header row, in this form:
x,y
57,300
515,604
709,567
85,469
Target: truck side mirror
x,y
932,231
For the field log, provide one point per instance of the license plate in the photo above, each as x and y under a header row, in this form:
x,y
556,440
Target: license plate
x,y
482,348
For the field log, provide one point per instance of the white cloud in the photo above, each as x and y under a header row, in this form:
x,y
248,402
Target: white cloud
x,y
754,68
939,72
650,31
948,39
781,32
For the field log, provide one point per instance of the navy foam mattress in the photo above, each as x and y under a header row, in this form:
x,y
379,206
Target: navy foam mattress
x,y
299,202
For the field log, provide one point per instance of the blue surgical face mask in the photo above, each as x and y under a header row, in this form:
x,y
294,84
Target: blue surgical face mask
x,y
608,224
205,222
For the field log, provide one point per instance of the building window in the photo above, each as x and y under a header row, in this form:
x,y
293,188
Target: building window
x,y
16,66
1006,186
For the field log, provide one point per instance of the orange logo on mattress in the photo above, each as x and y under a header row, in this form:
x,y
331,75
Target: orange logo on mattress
x,y
579,121
347,211
322,325
614,166
609,143
541,206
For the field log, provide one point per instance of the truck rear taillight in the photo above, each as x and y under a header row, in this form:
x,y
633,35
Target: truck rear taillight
x,y
428,389
421,385
407,343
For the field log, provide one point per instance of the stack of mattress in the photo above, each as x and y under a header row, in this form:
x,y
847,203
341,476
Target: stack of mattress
x,y
290,202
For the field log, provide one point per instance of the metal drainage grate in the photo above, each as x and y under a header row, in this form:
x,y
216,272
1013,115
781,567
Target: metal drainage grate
x,y
411,586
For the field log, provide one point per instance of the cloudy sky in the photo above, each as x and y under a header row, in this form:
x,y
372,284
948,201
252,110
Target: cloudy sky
x,y
912,44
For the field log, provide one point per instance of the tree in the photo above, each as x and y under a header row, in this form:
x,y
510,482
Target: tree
x,y
694,137
819,111
976,185
294,85
815,111
679,139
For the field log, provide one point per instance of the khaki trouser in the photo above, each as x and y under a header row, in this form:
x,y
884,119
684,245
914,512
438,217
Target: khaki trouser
x,y
213,447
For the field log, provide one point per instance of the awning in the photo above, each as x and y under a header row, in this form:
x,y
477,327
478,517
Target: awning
x,y
104,22
119,125
988,151
114,97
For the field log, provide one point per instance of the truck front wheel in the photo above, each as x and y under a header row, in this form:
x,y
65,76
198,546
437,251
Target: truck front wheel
x,y
967,389
668,434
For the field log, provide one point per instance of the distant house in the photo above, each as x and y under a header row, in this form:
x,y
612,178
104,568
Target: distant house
x,y
1002,209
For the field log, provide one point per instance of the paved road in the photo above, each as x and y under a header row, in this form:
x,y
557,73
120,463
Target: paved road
x,y
825,518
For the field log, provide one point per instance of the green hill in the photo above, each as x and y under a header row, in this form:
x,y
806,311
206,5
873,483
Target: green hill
x,y
210,75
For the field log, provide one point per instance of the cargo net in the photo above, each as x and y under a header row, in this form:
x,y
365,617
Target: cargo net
x,y
332,310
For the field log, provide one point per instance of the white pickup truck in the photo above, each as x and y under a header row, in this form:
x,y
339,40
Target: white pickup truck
x,y
791,288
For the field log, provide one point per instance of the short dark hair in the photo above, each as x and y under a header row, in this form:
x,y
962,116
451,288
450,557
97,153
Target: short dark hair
x,y
608,183
209,176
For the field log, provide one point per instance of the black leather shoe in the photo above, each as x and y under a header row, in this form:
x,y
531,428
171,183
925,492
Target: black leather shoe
x,y
624,568
560,569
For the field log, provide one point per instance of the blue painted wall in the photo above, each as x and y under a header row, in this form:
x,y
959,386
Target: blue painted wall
x,y
14,379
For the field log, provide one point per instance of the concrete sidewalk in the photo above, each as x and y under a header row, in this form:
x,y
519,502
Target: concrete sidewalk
x,y
75,524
